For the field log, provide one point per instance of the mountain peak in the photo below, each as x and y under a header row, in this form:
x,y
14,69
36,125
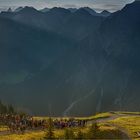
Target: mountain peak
x,y
28,9
136,3
105,13
59,10
72,9
91,11
132,9
9,10
82,11
18,9
45,9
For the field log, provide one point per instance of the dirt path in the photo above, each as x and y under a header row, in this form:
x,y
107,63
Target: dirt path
x,y
125,134
115,116
102,120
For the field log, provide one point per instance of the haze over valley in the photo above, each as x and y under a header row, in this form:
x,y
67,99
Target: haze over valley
x,y
70,62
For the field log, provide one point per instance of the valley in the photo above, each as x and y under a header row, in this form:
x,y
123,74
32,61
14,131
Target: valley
x,y
70,63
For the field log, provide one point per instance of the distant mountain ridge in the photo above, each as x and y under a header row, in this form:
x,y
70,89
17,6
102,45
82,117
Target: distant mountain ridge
x,y
45,9
105,13
61,62
58,20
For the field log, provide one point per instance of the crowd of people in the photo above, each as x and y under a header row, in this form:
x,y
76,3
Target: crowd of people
x,y
20,123
67,123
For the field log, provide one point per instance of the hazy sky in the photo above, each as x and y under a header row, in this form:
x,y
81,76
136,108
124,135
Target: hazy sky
x,y
99,5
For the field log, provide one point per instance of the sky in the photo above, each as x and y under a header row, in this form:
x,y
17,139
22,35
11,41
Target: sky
x,y
98,5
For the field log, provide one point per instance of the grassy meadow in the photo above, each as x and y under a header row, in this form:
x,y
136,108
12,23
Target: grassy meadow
x,y
130,123
106,129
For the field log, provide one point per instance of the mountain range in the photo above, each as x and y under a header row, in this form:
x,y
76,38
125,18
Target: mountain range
x,y
70,62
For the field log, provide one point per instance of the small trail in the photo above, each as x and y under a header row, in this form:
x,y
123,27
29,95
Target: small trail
x,y
115,116
102,120
125,134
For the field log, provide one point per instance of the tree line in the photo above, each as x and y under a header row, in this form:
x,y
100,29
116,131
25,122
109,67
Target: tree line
x,y
69,133
6,108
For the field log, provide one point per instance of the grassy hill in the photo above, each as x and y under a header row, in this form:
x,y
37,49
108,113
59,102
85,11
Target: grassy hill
x,y
130,123
111,125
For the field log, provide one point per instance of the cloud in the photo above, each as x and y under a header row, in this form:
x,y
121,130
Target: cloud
x,y
99,5
110,7
70,6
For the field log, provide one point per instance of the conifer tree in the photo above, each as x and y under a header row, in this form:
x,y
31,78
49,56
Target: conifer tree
x,y
69,134
49,132
10,109
92,132
3,108
79,135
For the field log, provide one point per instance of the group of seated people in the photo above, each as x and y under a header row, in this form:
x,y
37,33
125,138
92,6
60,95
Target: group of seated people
x,y
20,123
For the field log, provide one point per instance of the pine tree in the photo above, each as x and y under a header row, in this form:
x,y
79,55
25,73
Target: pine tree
x,y
92,132
10,109
49,133
79,135
69,134
3,108
66,134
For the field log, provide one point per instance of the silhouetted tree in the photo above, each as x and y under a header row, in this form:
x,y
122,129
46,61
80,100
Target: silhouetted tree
x,y
92,132
3,108
69,134
49,133
10,109
80,135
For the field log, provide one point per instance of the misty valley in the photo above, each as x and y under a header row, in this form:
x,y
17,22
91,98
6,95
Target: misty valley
x,y
70,62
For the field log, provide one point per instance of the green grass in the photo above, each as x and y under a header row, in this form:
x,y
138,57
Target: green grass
x,y
109,132
101,115
27,136
127,113
3,128
131,124
105,132
97,116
